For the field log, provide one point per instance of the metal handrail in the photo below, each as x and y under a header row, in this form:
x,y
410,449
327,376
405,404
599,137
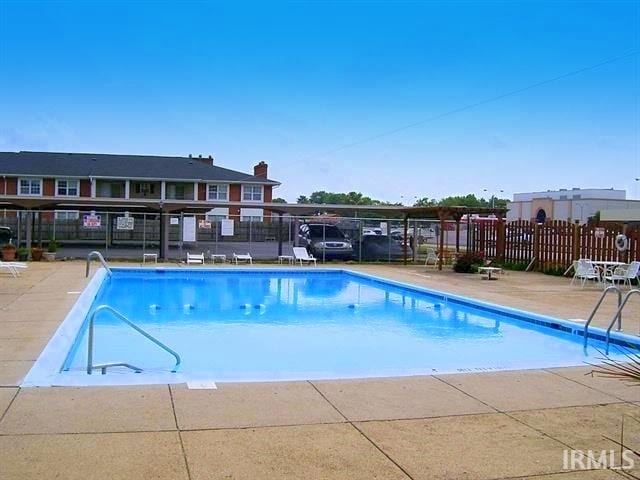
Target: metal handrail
x,y
619,314
99,256
595,309
103,367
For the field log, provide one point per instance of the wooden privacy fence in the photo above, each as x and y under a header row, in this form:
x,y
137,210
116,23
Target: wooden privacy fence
x,y
552,245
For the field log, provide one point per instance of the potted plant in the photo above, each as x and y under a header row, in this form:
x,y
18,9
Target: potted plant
x,y
36,253
8,252
52,248
23,254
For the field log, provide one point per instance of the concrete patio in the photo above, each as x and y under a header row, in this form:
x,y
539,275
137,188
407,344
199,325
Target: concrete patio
x,y
503,425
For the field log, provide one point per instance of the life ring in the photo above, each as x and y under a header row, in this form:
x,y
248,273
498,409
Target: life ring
x,y
622,242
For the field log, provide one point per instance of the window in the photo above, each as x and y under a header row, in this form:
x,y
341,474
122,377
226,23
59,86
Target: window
x,y
252,193
67,215
217,214
251,215
108,189
67,188
176,191
217,192
145,188
30,186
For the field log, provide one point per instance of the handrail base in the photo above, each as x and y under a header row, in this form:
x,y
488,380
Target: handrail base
x,y
103,367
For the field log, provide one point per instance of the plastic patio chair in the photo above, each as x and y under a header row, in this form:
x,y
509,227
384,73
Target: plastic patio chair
x,y
432,256
301,255
624,274
585,270
244,257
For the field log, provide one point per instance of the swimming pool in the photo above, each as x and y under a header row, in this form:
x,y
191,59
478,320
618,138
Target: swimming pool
x,y
296,324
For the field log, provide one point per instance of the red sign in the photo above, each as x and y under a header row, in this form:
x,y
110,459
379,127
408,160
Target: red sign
x,y
91,221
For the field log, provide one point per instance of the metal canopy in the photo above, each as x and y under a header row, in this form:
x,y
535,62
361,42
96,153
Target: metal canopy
x,y
191,206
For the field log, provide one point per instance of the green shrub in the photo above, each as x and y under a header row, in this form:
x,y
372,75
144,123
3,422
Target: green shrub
x,y
468,263
516,266
557,270
53,246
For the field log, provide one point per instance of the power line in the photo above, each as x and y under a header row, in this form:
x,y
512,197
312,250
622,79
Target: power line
x,y
476,104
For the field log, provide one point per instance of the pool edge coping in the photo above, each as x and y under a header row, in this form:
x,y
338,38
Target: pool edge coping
x,y
46,369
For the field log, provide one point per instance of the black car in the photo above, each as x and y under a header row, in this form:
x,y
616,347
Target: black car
x,y
5,235
380,248
325,241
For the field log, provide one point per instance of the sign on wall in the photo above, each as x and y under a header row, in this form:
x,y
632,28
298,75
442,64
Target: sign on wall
x,y
91,220
226,227
174,221
599,232
189,229
124,223
204,224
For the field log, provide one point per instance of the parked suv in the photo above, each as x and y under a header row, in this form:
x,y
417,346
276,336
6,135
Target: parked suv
x,y
380,248
326,241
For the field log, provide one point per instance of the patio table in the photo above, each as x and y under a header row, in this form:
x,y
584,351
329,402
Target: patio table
x,y
490,271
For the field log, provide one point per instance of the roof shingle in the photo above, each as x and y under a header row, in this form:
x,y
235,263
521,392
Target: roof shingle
x,y
54,164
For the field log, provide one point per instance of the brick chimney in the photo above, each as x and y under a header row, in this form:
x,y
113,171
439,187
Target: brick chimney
x,y
206,160
260,170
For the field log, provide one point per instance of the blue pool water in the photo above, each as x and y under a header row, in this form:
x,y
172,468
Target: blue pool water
x,y
245,325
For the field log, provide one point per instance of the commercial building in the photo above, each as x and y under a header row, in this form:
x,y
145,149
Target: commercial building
x,y
575,204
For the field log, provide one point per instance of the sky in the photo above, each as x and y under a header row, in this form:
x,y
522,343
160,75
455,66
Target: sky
x,y
322,91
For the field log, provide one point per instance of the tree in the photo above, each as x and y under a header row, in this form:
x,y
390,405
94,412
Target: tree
x,y
426,202
469,200
278,200
351,198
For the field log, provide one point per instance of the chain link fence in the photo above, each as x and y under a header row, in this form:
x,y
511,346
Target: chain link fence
x,y
128,236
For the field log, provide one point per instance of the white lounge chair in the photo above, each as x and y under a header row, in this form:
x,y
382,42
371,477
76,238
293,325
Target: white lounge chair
x,y
301,255
624,274
195,258
585,270
243,257
432,256
13,267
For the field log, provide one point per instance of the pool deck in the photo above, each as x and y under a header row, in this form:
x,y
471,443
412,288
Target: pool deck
x,y
502,425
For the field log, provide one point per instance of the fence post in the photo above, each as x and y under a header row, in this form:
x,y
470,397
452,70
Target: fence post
x,y
279,234
441,249
575,250
144,234
405,227
536,245
500,243
29,233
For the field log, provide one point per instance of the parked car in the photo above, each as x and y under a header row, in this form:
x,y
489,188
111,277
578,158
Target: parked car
x,y
380,248
5,235
371,231
325,241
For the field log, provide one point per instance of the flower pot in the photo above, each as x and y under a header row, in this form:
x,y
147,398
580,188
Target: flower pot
x,y
36,254
49,256
8,253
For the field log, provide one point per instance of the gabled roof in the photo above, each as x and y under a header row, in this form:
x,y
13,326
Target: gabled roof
x,y
84,165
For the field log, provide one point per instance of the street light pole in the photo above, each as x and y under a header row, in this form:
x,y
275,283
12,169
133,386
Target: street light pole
x,y
493,197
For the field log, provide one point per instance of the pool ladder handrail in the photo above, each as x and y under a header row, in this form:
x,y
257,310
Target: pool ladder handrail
x,y
99,256
610,288
618,314
91,367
